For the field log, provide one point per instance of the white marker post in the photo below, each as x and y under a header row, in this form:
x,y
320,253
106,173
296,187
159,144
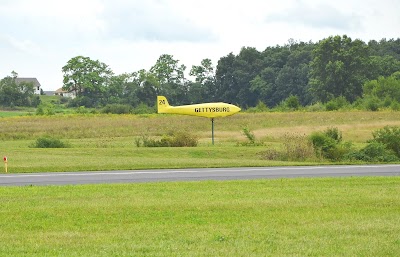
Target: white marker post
x,y
5,163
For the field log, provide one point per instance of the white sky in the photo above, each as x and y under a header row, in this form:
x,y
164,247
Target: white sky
x,y
38,37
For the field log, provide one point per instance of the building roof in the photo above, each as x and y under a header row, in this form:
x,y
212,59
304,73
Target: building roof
x,y
60,90
49,92
29,80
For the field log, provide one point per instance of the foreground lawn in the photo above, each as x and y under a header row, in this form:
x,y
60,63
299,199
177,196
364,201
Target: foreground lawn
x,y
283,217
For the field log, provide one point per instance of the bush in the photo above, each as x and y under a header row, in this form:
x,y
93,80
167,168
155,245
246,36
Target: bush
x,y
374,152
179,139
334,133
261,107
327,144
395,106
292,102
81,110
64,100
49,142
331,106
45,109
324,146
336,103
143,109
372,104
390,137
316,107
297,148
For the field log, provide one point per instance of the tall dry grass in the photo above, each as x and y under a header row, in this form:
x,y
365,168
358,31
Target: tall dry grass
x,y
355,126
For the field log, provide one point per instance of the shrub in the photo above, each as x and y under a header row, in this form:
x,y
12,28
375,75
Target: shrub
x,y
374,152
395,106
297,147
334,133
336,103
81,110
182,139
331,106
387,102
179,139
316,107
49,142
324,146
143,109
292,102
372,104
261,107
390,137
64,100
341,151
328,144
45,109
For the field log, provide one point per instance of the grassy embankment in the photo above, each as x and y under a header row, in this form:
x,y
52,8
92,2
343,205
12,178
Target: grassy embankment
x,y
107,142
283,217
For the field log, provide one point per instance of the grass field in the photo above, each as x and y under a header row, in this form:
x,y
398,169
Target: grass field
x,y
107,142
282,217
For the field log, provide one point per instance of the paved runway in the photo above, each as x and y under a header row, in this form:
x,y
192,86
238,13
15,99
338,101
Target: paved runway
x,y
135,176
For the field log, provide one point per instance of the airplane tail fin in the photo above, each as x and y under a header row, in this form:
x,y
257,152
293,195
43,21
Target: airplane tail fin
x,y
162,104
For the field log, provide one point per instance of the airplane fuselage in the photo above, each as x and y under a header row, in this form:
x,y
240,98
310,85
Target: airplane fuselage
x,y
209,110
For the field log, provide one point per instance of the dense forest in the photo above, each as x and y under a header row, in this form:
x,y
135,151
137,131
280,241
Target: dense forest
x,y
335,70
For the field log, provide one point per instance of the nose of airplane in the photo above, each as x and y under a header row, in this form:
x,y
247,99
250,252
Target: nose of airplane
x,y
235,109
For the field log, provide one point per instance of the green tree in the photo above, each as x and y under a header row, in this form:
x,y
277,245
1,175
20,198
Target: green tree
x,y
149,88
170,77
383,88
264,85
203,89
339,67
385,47
383,66
284,72
88,78
225,81
234,75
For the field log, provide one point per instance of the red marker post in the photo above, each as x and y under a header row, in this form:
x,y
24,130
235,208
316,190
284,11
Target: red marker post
x,y
5,163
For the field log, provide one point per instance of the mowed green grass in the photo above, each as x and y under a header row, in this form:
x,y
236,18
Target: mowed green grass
x,y
6,114
91,159
280,217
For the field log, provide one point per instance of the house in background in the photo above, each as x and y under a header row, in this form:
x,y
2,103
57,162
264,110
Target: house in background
x,y
36,84
64,93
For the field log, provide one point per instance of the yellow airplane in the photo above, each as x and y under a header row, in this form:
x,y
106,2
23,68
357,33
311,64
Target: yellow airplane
x,y
209,110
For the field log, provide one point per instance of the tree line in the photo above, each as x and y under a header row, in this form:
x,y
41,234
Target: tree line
x,y
334,68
